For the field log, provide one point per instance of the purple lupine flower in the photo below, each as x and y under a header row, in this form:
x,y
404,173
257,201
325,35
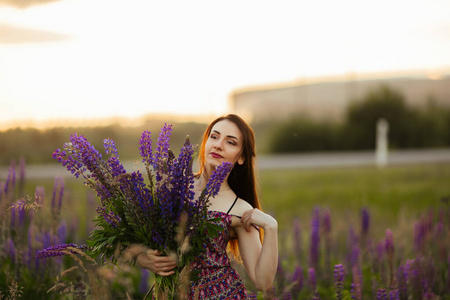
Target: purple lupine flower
x,y
339,280
314,245
13,215
183,177
10,249
58,191
354,255
352,291
287,295
365,221
217,177
145,147
312,282
297,281
402,281
143,285
381,294
111,218
389,244
110,147
62,232
21,212
58,250
10,180
394,295
326,225
161,151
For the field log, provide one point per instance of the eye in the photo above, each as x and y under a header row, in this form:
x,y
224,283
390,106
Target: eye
x,y
232,143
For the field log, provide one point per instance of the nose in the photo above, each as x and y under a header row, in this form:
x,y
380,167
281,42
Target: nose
x,y
218,144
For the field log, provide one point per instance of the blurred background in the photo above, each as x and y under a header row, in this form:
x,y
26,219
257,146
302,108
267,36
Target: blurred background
x,y
313,79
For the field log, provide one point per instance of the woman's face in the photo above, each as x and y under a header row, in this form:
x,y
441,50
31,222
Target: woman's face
x,y
224,144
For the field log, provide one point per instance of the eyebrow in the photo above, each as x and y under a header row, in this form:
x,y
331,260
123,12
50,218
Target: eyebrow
x,y
230,136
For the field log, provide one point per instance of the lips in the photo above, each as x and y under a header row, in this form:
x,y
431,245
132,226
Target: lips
x,y
215,155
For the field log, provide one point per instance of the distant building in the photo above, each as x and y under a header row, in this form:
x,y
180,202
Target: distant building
x,y
329,99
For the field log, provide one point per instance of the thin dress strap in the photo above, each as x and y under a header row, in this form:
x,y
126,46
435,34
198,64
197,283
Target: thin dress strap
x,y
228,212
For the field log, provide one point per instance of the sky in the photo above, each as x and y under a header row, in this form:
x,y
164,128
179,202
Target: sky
x,y
83,59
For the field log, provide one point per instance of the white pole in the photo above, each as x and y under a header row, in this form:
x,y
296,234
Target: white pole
x,y
381,154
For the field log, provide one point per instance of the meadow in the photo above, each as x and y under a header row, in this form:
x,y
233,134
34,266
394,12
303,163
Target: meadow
x,y
345,233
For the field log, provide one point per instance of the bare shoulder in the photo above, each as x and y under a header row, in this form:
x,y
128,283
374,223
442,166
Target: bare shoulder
x,y
240,207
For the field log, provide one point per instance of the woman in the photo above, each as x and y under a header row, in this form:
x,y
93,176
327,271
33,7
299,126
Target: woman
x,y
229,139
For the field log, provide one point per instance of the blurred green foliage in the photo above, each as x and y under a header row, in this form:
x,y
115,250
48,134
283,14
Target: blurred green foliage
x,y
409,127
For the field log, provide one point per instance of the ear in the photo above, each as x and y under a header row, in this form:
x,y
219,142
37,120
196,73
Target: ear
x,y
241,161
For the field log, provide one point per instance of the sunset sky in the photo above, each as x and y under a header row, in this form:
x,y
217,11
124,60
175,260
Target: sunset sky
x,y
84,59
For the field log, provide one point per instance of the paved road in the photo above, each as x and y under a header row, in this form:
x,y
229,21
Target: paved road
x,y
285,161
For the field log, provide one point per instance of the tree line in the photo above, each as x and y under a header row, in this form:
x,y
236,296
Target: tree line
x,y
409,126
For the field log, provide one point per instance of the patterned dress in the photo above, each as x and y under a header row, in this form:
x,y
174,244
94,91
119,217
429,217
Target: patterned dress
x,y
218,280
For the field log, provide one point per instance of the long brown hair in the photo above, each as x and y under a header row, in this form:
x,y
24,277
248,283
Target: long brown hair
x,y
242,179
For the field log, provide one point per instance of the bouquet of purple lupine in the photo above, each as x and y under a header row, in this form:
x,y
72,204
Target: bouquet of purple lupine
x,y
160,213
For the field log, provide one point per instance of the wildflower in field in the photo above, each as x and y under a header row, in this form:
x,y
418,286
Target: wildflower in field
x,y
59,250
339,280
297,281
314,241
381,294
312,280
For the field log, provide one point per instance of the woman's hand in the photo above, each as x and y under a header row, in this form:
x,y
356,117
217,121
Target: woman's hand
x,y
156,263
256,217
152,260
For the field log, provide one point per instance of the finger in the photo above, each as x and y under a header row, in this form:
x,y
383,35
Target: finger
x,y
166,273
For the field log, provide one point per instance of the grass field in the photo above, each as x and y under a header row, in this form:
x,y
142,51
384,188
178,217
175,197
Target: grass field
x,y
397,198
393,194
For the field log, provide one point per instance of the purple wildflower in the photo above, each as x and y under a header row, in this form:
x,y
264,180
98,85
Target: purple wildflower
x,y
110,217
297,280
58,191
58,250
110,147
312,282
389,244
146,147
161,151
365,221
143,285
339,280
62,232
217,177
402,281
352,291
10,180
394,295
381,294
10,249
314,245
21,212
287,295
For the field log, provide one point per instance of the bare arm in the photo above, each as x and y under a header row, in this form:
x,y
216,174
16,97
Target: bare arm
x,y
260,260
